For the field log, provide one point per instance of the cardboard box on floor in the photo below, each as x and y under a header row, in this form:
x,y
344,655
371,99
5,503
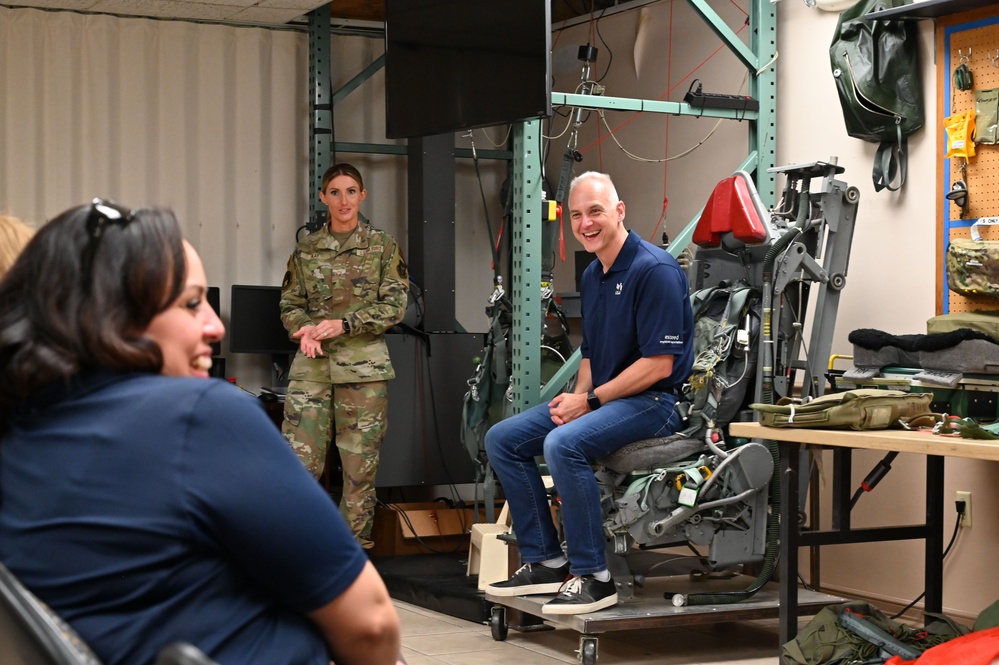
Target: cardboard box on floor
x,y
421,528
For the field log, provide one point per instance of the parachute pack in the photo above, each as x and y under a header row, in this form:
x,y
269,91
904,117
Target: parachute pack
x,y
726,331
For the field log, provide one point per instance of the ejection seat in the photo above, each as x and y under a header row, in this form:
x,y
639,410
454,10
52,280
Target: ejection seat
x,y
732,237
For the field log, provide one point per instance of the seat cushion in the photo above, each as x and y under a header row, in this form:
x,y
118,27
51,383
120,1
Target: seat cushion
x,y
652,453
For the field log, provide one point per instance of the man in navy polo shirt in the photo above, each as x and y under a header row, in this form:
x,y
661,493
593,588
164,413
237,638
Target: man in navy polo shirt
x,y
637,350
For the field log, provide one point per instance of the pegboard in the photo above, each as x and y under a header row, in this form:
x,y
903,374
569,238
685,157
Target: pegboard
x,y
974,42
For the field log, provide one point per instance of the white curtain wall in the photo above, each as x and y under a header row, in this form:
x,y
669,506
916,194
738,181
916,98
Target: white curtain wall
x,y
209,120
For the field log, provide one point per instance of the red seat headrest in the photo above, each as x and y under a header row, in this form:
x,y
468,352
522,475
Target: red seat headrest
x,y
730,208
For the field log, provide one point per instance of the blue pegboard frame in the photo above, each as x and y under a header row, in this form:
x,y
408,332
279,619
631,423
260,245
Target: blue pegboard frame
x,y
974,35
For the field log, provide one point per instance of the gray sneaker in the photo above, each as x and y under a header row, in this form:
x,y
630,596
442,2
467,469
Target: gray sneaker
x,y
582,594
532,578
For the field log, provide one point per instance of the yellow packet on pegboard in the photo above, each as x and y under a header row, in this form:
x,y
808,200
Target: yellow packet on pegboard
x,y
960,127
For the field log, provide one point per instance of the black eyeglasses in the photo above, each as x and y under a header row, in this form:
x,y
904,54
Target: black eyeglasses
x,y
104,212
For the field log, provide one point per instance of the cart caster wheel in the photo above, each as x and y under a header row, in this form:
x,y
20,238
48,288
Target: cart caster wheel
x,y
497,624
588,650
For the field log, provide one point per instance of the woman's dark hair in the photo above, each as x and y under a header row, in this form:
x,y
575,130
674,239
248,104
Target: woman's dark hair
x,y
342,169
81,295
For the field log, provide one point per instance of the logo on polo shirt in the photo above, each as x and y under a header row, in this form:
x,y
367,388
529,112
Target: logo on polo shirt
x,y
618,287
670,339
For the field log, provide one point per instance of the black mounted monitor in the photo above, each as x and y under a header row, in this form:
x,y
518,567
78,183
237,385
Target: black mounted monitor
x,y
452,65
255,321
212,295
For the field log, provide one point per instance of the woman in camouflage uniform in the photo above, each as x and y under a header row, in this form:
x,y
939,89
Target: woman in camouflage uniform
x,y
346,285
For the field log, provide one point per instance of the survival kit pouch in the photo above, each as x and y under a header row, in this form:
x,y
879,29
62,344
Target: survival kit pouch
x,y
973,264
866,408
987,116
876,67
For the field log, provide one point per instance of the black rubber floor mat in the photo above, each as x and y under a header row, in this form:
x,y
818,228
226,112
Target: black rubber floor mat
x,y
435,582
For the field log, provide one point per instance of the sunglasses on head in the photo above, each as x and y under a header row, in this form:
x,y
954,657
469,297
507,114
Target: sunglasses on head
x,y
104,212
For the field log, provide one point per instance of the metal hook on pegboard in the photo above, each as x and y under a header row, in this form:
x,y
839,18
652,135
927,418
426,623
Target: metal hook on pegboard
x,y
959,195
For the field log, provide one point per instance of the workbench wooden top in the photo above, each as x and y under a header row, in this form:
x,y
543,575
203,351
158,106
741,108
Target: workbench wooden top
x,y
903,441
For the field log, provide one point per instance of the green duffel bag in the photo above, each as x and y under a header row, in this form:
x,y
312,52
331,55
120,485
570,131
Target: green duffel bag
x,y
867,408
824,640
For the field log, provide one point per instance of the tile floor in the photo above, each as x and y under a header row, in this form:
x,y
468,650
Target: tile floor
x,y
429,638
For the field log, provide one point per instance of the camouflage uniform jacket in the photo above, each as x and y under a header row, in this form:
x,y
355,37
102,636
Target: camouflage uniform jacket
x,y
364,281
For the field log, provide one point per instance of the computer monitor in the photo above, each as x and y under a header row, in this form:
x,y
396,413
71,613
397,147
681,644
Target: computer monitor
x,y
255,321
212,295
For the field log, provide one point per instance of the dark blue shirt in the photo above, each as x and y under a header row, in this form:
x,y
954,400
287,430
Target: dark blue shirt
x,y
639,308
146,510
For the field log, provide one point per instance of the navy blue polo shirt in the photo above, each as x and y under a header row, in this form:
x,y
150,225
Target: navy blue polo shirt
x,y
147,509
639,308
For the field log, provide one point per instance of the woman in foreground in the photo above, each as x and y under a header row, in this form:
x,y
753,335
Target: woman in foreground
x,y
144,504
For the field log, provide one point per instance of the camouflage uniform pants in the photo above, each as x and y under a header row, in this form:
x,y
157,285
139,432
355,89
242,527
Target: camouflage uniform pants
x,y
358,412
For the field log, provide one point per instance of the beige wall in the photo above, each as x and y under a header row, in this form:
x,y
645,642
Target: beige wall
x,y
213,121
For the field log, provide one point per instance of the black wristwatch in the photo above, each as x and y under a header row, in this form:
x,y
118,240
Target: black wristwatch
x,y
346,326
592,401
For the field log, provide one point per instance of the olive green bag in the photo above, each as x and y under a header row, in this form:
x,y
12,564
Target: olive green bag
x,y
824,640
875,64
867,408
983,321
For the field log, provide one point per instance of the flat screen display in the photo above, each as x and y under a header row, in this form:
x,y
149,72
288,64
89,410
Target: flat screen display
x,y
459,64
255,321
212,295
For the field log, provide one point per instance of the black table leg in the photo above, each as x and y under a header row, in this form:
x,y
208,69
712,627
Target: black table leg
x,y
934,532
787,568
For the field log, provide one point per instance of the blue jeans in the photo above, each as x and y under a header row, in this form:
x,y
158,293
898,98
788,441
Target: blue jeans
x,y
569,450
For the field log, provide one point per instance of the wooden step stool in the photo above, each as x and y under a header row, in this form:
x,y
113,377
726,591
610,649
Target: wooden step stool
x,y
488,557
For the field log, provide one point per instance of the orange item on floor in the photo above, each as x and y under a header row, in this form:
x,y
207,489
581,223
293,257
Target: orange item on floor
x,y
977,648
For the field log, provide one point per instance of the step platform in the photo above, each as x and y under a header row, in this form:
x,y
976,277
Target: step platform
x,y
439,581
650,609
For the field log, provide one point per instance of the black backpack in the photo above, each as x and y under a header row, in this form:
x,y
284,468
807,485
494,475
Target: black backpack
x,y
876,67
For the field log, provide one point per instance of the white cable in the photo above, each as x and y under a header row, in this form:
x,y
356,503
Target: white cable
x,y
568,123
657,161
689,150
767,66
502,144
